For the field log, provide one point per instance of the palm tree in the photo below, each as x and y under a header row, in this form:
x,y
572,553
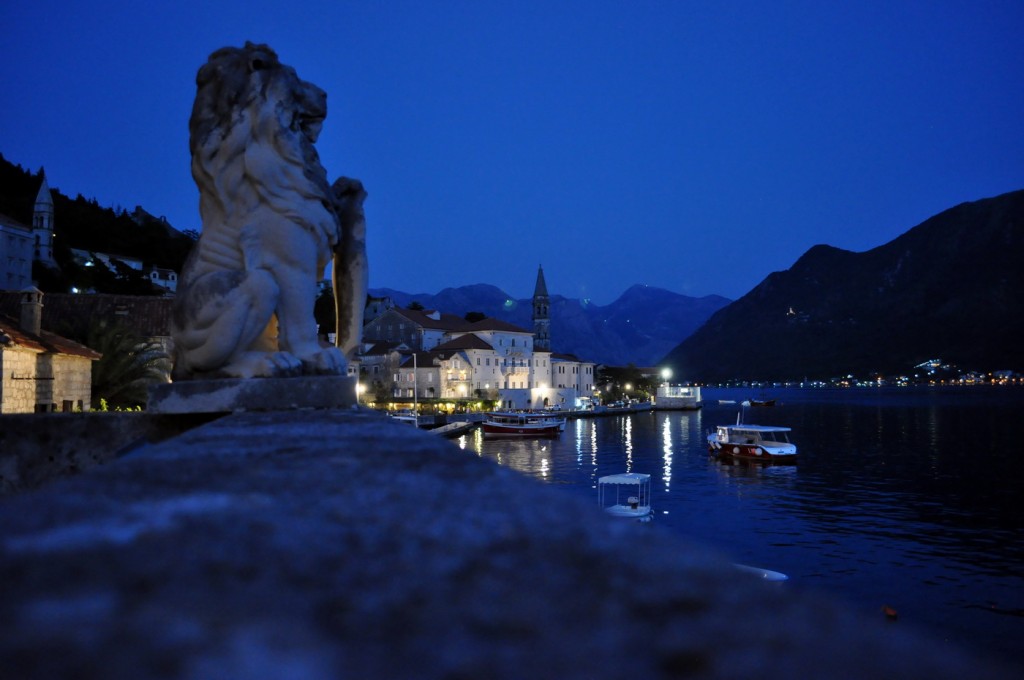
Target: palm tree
x,y
130,363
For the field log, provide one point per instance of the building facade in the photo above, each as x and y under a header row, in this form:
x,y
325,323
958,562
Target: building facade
x,y
488,360
42,371
16,254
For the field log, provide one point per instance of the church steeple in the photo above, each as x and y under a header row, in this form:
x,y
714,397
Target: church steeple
x,y
541,317
42,223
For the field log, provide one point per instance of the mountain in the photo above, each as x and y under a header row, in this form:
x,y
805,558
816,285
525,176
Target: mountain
x,y
638,328
950,288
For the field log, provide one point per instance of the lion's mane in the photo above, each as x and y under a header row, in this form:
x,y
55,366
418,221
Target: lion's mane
x,y
252,130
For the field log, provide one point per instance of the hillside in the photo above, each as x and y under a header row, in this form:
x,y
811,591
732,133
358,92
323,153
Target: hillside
x,y
639,327
950,288
83,224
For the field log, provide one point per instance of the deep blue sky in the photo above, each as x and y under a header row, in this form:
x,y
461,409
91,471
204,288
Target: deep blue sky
x,y
692,146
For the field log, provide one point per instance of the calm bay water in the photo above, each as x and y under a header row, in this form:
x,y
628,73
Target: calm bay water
x,y
908,497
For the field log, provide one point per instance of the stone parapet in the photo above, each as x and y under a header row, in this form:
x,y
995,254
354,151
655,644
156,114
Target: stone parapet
x,y
252,394
332,543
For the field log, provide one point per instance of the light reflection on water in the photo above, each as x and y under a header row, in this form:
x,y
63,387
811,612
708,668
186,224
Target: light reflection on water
x,y
903,497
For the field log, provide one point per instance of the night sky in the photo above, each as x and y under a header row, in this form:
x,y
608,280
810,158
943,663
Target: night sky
x,y
691,146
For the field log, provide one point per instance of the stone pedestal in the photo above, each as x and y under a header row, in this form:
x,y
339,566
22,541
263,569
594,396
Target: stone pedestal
x,y
253,394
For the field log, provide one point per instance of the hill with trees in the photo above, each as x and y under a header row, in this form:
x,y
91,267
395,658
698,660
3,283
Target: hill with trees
x,y
83,224
950,288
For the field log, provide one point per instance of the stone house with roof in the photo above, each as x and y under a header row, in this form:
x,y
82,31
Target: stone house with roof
x,y
42,371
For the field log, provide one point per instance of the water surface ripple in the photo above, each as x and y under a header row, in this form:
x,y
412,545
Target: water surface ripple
x,y
901,497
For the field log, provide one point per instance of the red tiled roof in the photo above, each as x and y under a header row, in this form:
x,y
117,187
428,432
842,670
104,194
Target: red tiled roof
x,y
467,341
11,334
150,316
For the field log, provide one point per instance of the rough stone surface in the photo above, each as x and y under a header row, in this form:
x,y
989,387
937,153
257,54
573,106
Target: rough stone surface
x,y
37,448
240,394
329,544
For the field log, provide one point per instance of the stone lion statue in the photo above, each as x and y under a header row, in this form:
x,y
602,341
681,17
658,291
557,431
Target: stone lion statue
x,y
271,223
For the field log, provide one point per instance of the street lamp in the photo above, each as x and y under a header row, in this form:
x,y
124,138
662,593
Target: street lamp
x,y
666,374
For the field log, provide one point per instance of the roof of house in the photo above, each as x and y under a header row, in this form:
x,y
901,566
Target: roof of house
x,y
11,334
425,318
380,349
14,224
467,341
491,324
423,360
150,316
562,356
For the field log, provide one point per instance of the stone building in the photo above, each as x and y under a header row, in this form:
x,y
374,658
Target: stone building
x,y
16,254
418,329
42,371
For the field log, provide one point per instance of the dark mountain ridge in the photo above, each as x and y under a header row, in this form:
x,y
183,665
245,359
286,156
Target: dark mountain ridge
x,y
951,288
638,328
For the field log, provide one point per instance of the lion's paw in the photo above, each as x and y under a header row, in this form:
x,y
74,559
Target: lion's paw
x,y
264,365
326,361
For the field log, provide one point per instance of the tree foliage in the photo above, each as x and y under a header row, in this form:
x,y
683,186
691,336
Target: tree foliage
x,y
130,364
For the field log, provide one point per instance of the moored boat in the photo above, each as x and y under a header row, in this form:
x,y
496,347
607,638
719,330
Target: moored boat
x,y
522,424
752,442
626,495
405,416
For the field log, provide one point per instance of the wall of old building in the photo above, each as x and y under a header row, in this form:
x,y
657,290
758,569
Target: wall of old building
x,y
49,382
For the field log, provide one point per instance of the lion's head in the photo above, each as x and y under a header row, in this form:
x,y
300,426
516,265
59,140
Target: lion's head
x,y
252,131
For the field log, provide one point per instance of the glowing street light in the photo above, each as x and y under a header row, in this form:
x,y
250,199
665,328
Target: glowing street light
x,y
666,374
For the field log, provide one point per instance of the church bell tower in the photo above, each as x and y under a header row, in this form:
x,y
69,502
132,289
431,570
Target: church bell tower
x,y
42,224
541,314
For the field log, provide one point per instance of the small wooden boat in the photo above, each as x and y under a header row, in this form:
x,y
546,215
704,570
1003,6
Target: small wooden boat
x,y
522,424
762,402
626,495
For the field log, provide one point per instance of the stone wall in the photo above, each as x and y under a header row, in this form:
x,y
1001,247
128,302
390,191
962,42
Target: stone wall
x,y
330,544
33,378
72,381
19,389
36,449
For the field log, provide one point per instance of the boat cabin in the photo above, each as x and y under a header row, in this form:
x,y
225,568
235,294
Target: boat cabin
x,y
752,434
